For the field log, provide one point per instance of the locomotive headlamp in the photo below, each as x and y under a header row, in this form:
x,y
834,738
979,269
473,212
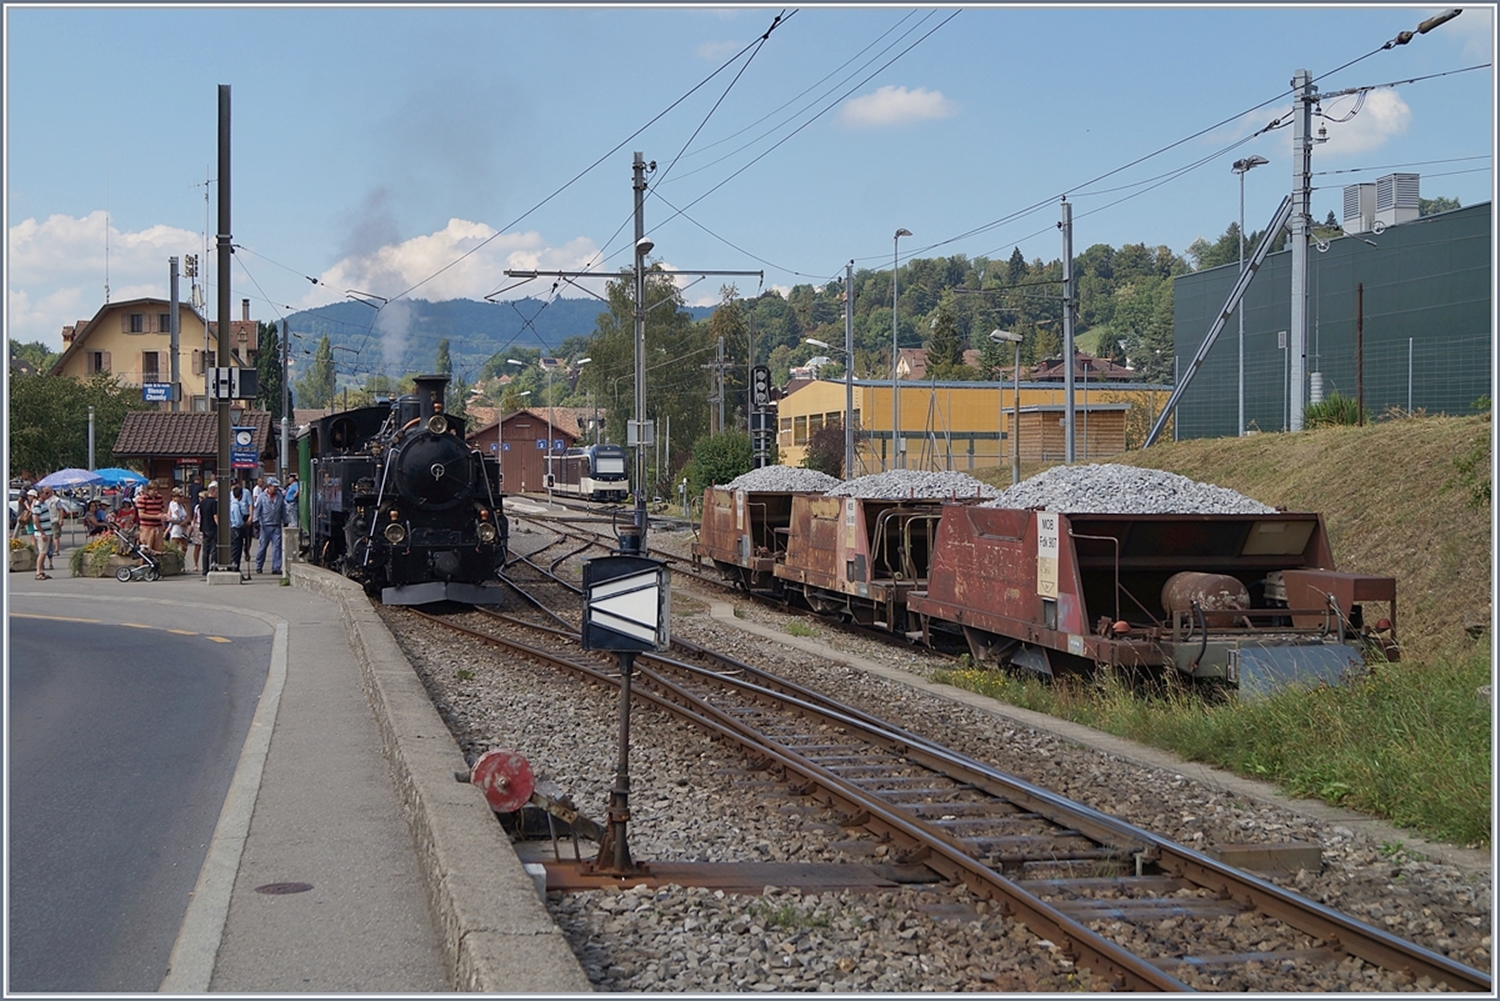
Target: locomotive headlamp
x,y
437,424
395,533
487,532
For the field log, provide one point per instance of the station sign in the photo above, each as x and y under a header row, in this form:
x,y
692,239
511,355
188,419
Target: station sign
x,y
158,392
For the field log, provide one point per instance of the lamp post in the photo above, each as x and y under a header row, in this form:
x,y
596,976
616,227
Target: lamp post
x,y
1242,167
898,458
848,402
1000,337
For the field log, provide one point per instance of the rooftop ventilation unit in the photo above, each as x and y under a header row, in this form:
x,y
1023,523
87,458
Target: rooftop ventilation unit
x,y
1392,199
1398,198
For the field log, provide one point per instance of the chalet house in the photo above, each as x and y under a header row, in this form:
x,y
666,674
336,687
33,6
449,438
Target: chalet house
x,y
132,340
1086,368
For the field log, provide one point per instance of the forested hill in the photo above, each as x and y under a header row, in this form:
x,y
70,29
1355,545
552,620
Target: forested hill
x,y
409,330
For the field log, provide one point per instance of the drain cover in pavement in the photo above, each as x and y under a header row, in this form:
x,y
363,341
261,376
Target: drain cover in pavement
x,y
276,889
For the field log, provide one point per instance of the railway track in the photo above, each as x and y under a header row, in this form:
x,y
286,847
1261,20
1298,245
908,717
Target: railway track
x,y
1129,905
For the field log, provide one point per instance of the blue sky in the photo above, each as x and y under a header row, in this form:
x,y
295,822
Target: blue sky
x,y
374,147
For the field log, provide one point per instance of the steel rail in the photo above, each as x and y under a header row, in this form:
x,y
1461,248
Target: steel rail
x,y
947,855
1088,947
1341,931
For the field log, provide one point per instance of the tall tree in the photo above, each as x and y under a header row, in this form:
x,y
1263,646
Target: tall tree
x,y
945,352
49,419
316,387
728,324
268,368
444,363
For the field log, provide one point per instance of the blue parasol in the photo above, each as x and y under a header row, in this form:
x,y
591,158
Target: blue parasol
x,y
115,477
65,478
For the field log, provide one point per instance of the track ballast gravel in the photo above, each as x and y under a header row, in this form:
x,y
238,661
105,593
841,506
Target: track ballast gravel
x,y
695,800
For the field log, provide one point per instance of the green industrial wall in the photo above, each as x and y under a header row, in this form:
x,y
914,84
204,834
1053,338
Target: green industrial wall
x,y
1428,331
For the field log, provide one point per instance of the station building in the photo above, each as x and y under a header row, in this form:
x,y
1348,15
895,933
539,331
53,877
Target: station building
x,y
521,440
132,340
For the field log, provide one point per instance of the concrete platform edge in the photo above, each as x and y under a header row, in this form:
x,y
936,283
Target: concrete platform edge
x,y
496,933
1470,859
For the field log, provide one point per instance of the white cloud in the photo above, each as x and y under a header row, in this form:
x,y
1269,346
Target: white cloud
x,y
1384,116
896,106
56,270
436,260
717,51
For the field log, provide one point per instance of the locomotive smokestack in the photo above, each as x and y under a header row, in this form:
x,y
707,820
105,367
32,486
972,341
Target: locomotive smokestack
x,y
430,392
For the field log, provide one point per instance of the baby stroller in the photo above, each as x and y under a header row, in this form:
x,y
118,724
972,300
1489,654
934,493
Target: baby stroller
x,y
150,567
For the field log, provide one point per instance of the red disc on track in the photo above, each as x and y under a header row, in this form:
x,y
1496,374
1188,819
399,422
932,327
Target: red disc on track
x,y
505,779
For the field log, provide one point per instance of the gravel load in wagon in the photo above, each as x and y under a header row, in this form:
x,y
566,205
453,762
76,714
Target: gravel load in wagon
x,y
783,479
1109,488
912,484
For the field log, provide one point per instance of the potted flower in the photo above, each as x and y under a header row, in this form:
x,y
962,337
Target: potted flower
x,y
22,553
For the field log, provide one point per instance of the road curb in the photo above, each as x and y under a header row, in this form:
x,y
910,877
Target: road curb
x,y
496,933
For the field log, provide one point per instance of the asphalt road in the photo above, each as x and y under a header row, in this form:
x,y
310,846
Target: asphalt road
x,y
123,739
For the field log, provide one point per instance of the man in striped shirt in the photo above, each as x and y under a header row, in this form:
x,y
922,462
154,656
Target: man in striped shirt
x,y
149,507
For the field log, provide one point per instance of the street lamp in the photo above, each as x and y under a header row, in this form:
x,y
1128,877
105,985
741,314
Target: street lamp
x,y
1242,167
848,402
899,458
1000,337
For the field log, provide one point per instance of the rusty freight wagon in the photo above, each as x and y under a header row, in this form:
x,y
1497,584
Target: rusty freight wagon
x,y
859,557
1251,600
745,524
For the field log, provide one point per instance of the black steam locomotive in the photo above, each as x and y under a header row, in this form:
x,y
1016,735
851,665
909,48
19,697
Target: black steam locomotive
x,y
401,503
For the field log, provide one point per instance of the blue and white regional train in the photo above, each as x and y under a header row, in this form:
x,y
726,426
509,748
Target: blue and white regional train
x,y
592,472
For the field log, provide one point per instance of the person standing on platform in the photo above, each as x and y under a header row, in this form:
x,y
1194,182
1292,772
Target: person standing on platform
x,y
239,523
149,508
208,524
269,515
293,490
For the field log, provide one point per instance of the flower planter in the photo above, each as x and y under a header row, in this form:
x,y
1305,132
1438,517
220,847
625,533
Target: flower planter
x,y
23,558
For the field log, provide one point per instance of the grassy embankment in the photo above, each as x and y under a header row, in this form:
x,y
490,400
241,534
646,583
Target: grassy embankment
x,y
1411,743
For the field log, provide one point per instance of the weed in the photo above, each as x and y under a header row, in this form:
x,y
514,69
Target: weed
x,y
464,675
788,916
739,612
1335,408
800,629
1409,743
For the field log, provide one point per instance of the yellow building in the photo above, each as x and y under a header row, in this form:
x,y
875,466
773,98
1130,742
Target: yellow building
x,y
968,425
132,340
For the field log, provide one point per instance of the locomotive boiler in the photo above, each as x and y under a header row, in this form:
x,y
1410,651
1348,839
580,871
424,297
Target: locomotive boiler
x,y
400,503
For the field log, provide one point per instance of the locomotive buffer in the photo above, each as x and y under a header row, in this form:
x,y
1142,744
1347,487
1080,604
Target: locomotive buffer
x,y
627,609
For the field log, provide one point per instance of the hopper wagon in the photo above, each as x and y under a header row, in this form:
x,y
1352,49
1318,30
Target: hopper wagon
x,y
857,558
744,534
1248,600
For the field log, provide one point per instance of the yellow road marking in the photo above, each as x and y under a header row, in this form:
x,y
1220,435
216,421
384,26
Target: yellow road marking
x,y
100,622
